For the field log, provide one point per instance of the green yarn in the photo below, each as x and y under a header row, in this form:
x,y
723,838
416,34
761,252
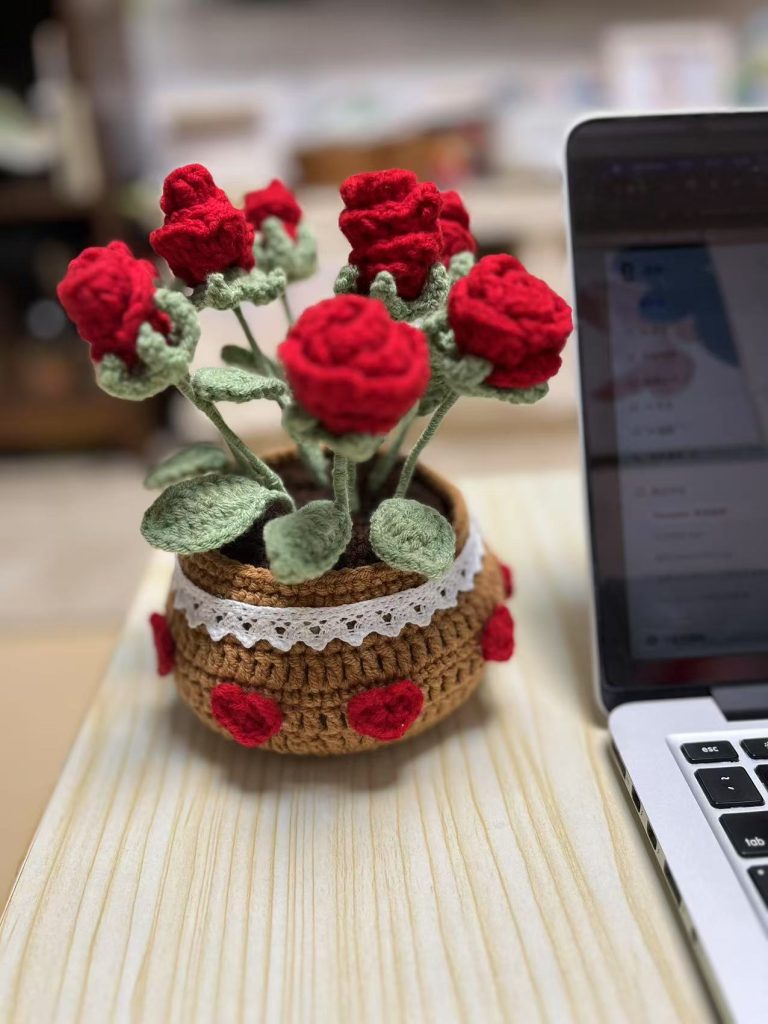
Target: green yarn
x,y
410,463
413,537
203,513
305,428
275,249
230,288
384,463
236,355
307,543
193,460
384,288
460,265
230,384
162,361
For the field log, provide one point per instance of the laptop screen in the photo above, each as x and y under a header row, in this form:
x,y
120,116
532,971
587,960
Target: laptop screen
x,y
670,246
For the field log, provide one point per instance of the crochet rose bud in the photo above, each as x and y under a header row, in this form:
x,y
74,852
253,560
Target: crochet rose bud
x,y
108,294
391,222
454,224
273,201
514,320
352,367
203,232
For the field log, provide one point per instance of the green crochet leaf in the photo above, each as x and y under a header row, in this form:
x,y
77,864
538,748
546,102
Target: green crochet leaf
x,y
302,427
413,537
274,247
194,460
231,288
384,287
229,384
460,265
235,355
162,361
307,543
203,513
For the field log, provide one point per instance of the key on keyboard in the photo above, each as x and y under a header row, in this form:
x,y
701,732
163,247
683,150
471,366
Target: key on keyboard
x,y
729,787
706,753
760,877
748,832
757,748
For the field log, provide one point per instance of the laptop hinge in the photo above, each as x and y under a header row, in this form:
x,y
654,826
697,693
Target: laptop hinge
x,y
749,700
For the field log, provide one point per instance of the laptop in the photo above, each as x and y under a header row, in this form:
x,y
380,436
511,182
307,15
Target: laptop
x,y
669,245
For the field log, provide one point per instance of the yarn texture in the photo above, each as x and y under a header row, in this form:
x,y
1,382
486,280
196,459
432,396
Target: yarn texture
x,y
391,222
203,232
499,635
164,645
276,200
108,294
313,689
454,227
250,718
514,320
508,579
387,712
352,368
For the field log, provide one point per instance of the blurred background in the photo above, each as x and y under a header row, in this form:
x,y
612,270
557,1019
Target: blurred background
x,y
99,99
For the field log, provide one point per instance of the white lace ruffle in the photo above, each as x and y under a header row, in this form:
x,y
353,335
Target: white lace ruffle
x,y
316,627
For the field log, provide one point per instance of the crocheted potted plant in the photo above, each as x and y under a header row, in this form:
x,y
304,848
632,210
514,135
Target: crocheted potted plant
x,y
335,596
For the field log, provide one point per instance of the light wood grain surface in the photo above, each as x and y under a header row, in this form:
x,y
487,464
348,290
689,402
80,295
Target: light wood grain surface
x,y
489,870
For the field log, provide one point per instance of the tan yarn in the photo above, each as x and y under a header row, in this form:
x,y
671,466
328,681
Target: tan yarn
x,y
312,688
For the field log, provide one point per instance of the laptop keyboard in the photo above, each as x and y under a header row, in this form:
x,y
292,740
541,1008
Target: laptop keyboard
x,y
730,781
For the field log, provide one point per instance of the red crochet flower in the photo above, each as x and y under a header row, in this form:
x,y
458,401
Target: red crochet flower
x,y
165,649
391,222
388,712
273,201
454,224
203,232
250,718
498,639
108,294
352,367
514,320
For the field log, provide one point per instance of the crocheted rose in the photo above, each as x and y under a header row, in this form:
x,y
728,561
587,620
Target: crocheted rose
x,y
108,294
391,222
454,225
203,232
352,367
273,201
503,314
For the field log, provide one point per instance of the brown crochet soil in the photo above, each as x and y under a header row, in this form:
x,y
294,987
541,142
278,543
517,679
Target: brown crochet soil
x,y
249,546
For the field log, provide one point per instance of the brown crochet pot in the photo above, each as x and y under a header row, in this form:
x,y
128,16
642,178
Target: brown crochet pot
x,y
312,688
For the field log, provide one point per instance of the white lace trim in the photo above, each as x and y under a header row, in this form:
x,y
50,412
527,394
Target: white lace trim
x,y
316,627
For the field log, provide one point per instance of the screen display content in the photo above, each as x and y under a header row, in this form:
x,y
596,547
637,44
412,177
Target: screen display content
x,y
670,248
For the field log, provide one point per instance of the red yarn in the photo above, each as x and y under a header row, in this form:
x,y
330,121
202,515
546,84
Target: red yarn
x,y
454,224
508,578
498,640
165,648
388,712
501,312
249,717
391,222
273,201
108,294
352,367
203,232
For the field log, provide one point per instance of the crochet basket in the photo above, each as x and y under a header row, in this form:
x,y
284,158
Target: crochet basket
x,y
356,659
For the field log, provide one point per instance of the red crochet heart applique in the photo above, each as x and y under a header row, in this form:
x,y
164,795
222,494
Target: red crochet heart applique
x,y
250,718
388,712
165,649
498,638
507,579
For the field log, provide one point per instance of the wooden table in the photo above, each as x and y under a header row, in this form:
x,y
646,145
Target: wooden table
x,y
489,870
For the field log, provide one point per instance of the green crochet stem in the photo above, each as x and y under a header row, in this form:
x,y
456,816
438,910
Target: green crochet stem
x,y
288,311
243,455
263,363
354,497
427,434
383,465
340,478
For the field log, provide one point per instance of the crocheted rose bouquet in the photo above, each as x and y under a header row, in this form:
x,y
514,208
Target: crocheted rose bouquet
x,y
337,596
